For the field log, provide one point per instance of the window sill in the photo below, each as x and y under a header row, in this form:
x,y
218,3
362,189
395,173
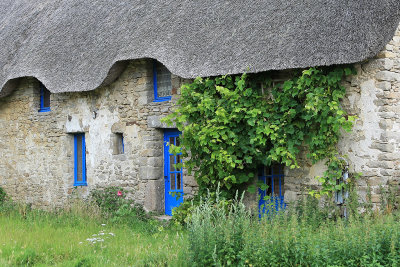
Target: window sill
x,y
44,110
162,99
80,184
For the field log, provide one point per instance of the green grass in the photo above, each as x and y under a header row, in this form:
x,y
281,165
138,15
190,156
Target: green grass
x,y
308,236
37,238
220,233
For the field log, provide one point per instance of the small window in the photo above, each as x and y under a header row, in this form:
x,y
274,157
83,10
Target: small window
x,y
161,82
118,146
80,160
44,99
272,193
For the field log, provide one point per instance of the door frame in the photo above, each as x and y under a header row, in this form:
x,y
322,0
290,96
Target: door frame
x,y
171,201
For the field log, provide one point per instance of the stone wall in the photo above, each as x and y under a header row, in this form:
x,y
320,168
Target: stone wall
x,y
36,148
373,147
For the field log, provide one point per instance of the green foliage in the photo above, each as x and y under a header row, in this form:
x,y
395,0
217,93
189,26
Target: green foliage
x,y
216,232
181,214
114,203
233,124
306,235
108,199
62,238
3,196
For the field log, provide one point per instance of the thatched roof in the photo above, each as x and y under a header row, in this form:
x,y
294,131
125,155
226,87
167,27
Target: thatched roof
x,y
71,45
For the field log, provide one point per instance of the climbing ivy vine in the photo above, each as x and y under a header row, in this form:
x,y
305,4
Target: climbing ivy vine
x,y
233,124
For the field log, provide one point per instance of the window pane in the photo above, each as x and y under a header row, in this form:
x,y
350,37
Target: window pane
x,y
171,162
172,141
178,159
178,181
172,179
268,170
79,157
119,139
268,181
46,98
178,141
277,169
276,186
164,85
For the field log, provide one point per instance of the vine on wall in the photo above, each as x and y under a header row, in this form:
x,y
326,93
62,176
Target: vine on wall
x,y
233,124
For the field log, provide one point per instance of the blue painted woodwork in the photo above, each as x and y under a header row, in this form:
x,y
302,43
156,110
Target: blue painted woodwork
x,y
272,199
79,160
173,177
155,82
44,99
122,143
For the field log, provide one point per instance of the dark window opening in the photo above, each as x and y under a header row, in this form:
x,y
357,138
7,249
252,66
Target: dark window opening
x,y
120,143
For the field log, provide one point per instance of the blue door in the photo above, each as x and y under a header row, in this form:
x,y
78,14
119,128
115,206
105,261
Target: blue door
x,y
173,176
271,199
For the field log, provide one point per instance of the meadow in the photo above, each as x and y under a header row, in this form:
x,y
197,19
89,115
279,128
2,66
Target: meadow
x,y
219,233
71,238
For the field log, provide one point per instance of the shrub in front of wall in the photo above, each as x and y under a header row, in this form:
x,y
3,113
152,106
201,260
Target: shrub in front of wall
x,y
232,125
181,214
114,203
3,195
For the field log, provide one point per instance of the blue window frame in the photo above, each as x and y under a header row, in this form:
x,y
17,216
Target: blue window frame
x,y
161,82
79,160
272,195
122,144
44,99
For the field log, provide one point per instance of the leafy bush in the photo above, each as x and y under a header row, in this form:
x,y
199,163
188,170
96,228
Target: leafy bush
x,y
181,215
114,203
3,196
109,199
234,124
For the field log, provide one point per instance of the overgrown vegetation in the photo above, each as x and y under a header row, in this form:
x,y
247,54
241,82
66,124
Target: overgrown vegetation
x,y
233,124
83,235
306,235
219,233
114,204
2,195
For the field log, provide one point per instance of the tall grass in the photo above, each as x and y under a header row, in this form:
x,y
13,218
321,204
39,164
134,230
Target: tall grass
x,y
308,236
219,233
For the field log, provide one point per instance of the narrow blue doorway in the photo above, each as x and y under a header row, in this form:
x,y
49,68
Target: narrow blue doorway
x,y
173,176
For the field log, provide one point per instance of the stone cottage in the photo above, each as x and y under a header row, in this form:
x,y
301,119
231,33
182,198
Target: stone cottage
x,y
84,84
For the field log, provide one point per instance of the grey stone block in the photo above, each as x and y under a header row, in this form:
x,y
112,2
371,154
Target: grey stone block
x,y
154,196
155,122
150,173
388,76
